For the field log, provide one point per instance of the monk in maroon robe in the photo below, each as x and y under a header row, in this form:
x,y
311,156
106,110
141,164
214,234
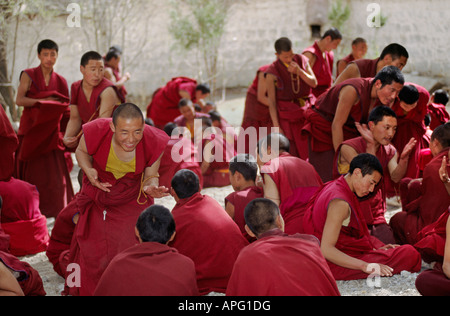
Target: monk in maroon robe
x,y
288,181
359,50
335,217
151,268
375,139
205,233
289,81
113,72
437,108
163,107
120,160
392,55
278,264
243,173
40,157
332,118
431,199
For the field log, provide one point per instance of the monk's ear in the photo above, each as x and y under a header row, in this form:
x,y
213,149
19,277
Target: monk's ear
x,y
172,237
113,128
136,232
280,222
249,232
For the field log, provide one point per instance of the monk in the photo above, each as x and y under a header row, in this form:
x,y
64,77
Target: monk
x,y
376,140
359,50
289,81
437,108
392,55
288,181
205,233
332,119
163,107
227,130
321,59
427,198
40,157
256,112
92,97
113,71
278,264
335,217
243,175
120,159
188,115
151,268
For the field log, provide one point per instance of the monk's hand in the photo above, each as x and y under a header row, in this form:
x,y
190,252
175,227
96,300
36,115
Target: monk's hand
x,y
365,132
389,246
379,269
294,68
92,175
443,174
407,150
156,192
70,142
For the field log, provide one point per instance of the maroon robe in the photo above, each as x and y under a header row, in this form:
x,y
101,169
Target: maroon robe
x,y
207,235
107,220
355,240
149,269
163,107
116,73
40,156
323,69
438,114
8,144
296,181
281,265
291,105
426,208
367,67
240,200
348,59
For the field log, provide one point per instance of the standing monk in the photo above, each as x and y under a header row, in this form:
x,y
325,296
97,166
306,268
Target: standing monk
x,y
332,119
40,159
321,59
392,55
289,81
359,50
163,108
120,159
113,71
92,97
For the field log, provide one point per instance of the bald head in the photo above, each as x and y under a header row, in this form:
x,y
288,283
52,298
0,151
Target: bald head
x,y
127,111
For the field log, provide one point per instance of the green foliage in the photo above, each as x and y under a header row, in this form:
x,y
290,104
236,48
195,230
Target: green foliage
x,y
339,14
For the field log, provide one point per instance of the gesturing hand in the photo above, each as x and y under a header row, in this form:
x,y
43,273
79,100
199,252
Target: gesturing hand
x,y
92,175
156,192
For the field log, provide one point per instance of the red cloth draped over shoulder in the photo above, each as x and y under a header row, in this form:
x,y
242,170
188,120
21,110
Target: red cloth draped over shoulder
x,y
438,114
367,67
8,143
164,105
297,181
373,207
207,235
323,69
107,220
149,269
281,265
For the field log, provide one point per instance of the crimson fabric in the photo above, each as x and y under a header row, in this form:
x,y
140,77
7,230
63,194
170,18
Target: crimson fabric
x,y
355,239
438,114
207,235
281,265
149,269
116,72
323,69
22,219
29,279
239,200
290,110
348,59
367,67
163,107
8,143
107,220
296,181
185,159
4,240
426,208
256,114
433,282
88,108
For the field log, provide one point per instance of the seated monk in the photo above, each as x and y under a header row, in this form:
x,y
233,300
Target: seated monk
x,y
163,107
288,181
376,140
205,233
437,108
227,130
359,50
278,264
427,198
334,216
150,268
188,116
120,159
243,172
44,96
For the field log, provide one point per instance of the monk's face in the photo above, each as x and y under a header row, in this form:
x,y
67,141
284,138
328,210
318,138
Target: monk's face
x,y
188,112
128,133
364,185
199,95
48,57
359,50
384,131
387,93
332,45
408,107
93,72
286,57
400,63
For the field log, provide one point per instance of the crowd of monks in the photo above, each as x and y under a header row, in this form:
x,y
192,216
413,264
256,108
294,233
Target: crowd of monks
x,y
310,195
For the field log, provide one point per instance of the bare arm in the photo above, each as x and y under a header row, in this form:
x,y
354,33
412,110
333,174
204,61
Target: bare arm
x,y
312,58
341,65
398,170
8,283
446,265
109,100
443,174
347,98
229,208
270,190
351,71
262,89
307,75
73,128
272,98
151,178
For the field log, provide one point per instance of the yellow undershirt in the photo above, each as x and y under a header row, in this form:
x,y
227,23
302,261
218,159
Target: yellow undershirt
x,y
117,167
